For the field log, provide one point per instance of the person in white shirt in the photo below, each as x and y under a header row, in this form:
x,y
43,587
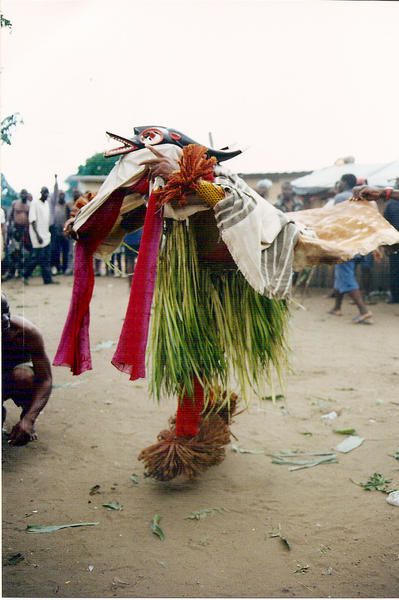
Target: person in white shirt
x,y
39,232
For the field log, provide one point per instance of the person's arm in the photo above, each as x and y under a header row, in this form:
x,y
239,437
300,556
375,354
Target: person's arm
x,y
32,221
366,192
21,432
11,215
39,238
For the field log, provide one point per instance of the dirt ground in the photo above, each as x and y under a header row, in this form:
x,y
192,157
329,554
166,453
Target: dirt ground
x,y
344,540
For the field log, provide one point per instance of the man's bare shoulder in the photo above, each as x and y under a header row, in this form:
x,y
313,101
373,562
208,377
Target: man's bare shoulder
x,y
23,328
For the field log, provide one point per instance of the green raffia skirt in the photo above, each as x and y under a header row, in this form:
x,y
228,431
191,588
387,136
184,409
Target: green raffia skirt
x,y
209,322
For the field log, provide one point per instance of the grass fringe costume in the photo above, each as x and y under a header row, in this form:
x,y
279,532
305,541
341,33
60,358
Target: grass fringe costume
x,y
214,274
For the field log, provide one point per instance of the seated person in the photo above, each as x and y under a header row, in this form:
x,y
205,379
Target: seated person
x,y
26,372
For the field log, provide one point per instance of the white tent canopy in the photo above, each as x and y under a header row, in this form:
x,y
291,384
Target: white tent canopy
x,y
387,176
380,174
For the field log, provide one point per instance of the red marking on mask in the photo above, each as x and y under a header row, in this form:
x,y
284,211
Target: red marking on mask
x,y
175,136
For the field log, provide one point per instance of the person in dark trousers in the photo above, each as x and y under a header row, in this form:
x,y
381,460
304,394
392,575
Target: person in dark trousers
x,y
19,244
391,214
39,232
344,274
61,242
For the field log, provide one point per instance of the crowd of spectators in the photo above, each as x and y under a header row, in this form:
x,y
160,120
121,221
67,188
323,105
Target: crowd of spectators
x,y
32,235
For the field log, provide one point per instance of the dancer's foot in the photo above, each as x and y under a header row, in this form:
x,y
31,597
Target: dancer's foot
x,y
366,319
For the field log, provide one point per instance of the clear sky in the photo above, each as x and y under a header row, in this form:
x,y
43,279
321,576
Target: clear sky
x,y
298,84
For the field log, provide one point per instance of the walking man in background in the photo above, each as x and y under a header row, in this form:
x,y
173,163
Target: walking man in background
x,y
39,232
344,274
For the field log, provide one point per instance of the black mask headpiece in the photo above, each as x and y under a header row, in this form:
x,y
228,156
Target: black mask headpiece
x,y
154,136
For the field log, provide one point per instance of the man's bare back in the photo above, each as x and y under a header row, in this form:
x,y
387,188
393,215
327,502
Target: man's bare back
x,y
26,372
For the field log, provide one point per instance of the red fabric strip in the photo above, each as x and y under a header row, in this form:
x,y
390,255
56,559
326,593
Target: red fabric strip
x,y
189,411
74,347
130,353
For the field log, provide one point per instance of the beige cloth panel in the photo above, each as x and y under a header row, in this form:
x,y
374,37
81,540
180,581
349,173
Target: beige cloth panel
x,y
126,172
337,233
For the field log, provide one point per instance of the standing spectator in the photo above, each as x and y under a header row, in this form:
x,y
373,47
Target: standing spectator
x,y
344,274
59,240
39,231
391,214
263,188
76,194
19,244
132,245
344,189
3,233
114,267
287,201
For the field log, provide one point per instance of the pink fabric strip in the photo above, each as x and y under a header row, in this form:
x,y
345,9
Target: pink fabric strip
x,y
130,353
74,347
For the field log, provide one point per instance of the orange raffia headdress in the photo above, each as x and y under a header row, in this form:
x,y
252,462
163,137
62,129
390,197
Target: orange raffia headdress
x,y
194,166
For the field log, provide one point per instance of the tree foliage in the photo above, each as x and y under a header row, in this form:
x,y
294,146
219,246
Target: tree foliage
x,y
97,165
5,22
8,194
11,121
7,125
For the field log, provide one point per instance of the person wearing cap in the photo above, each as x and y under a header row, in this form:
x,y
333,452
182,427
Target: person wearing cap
x,y
263,188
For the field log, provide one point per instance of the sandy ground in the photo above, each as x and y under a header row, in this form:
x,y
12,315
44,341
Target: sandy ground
x,y
344,540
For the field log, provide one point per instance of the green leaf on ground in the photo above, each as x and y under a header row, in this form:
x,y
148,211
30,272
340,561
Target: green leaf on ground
x,y
303,460
283,539
240,450
113,505
14,559
377,483
134,478
197,515
51,528
396,454
349,431
276,398
155,527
